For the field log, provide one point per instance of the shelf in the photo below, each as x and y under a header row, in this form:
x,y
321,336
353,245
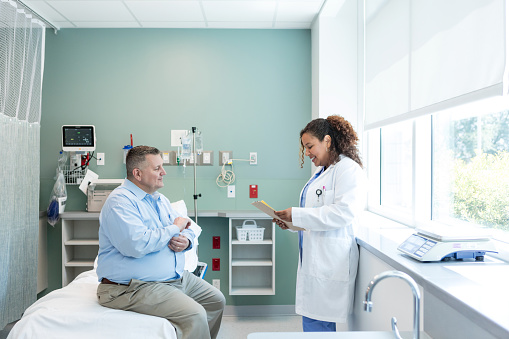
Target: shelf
x,y
80,263
252,291
251,262
263,242
80,215
79,242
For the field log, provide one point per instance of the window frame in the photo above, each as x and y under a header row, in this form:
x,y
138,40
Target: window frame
x,y
422,180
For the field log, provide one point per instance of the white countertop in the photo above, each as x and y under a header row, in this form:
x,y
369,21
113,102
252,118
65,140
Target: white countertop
x,y
475,288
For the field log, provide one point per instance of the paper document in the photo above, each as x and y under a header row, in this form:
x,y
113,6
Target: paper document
x,y
262,206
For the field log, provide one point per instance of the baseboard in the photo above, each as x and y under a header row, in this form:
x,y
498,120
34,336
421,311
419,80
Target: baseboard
x,y
259,310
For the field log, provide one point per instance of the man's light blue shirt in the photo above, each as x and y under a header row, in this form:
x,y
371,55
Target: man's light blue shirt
x,y
135,229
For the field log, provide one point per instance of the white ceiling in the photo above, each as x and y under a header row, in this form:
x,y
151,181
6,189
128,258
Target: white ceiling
x,y
262,14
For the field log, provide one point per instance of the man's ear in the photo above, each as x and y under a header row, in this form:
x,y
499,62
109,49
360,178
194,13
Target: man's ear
x,y
137,174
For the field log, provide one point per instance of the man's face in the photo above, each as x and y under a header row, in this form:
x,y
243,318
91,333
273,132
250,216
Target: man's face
x,y
150,176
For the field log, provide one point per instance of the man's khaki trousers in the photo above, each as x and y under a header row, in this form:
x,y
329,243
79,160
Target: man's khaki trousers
x,y
193,306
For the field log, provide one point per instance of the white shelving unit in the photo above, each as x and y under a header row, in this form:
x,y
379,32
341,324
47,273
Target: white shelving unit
x,y
252,263
80,243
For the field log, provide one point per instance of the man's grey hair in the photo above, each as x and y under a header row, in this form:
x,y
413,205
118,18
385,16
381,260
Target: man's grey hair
x,y
136,158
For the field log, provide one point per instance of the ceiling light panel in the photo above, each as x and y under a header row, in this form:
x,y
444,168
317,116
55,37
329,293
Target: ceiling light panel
x,y
239,11
166,10
92,11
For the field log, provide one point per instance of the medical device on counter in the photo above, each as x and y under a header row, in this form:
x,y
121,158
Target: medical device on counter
x,y
98,191
446,243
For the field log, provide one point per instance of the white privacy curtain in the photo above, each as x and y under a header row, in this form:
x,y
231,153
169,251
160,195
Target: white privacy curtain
x,y
21,69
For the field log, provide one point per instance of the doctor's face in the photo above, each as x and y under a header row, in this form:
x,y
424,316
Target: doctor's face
x,y
317,150
150,176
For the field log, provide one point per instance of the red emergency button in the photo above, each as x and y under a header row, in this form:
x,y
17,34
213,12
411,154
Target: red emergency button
x,y
253,191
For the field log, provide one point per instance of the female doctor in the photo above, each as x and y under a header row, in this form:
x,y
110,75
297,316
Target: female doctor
x,y
329,205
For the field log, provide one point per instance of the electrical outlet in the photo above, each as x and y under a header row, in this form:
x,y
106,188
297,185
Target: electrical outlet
x,y
216,283
253,158
166,157
225,157
207,158
169,158
100,159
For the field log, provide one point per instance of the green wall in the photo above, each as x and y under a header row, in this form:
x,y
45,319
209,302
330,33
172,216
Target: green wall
x,y
246,90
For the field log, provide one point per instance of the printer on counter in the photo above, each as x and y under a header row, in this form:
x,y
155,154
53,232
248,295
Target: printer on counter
x,y
98,191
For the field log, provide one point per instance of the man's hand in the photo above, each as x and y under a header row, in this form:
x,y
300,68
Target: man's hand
x,y
179,243
182,223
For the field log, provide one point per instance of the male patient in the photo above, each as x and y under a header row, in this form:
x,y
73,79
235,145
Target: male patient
x,y
142,241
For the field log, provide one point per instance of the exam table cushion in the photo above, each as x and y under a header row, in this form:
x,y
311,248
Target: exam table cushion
x,y
74,312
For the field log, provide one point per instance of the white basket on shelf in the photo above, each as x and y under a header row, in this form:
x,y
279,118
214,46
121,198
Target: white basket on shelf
x,y
241,233
256,234
249,231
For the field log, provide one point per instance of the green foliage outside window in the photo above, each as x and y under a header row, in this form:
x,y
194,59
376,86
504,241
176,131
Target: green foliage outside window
x,y
481,178
481,190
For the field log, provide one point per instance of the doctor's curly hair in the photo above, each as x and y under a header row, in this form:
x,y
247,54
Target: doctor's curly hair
x,y
343,137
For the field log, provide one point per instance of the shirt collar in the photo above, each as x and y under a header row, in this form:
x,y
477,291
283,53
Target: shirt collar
x,y
138,192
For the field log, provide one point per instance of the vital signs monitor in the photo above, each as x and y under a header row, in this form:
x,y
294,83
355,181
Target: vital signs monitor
x,y
78,138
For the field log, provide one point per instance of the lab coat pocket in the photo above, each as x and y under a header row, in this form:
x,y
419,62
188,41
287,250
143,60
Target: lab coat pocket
x,y
331,260
328,198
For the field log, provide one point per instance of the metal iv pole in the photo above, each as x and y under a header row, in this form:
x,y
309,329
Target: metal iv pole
x,y
194,166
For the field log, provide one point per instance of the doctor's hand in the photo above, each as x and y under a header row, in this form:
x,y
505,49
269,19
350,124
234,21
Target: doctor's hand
x,y
182,223
280,223
178,244
285,215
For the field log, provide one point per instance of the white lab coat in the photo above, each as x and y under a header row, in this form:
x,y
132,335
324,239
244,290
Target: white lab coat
x,y
326,275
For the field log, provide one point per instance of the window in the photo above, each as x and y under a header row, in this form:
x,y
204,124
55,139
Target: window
x,y
396,167
471,167
451,167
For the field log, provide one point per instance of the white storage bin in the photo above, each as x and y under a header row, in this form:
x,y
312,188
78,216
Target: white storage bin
x,y
241,233
256,234
249,224
249,231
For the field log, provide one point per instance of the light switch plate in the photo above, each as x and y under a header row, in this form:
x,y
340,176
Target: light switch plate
x,y
231,191
100,159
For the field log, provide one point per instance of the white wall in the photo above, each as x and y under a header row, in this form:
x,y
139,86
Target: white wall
x,y
335,64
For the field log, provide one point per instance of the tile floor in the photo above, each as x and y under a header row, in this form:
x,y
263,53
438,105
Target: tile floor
x,y
233,327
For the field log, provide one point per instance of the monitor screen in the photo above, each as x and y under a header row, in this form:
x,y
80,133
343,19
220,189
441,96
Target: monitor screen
x,y
78,138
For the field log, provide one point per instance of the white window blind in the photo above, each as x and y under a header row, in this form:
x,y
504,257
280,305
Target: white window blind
x,y
423,56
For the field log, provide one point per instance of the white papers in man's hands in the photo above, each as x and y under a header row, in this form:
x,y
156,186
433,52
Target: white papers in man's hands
x,y
265,208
